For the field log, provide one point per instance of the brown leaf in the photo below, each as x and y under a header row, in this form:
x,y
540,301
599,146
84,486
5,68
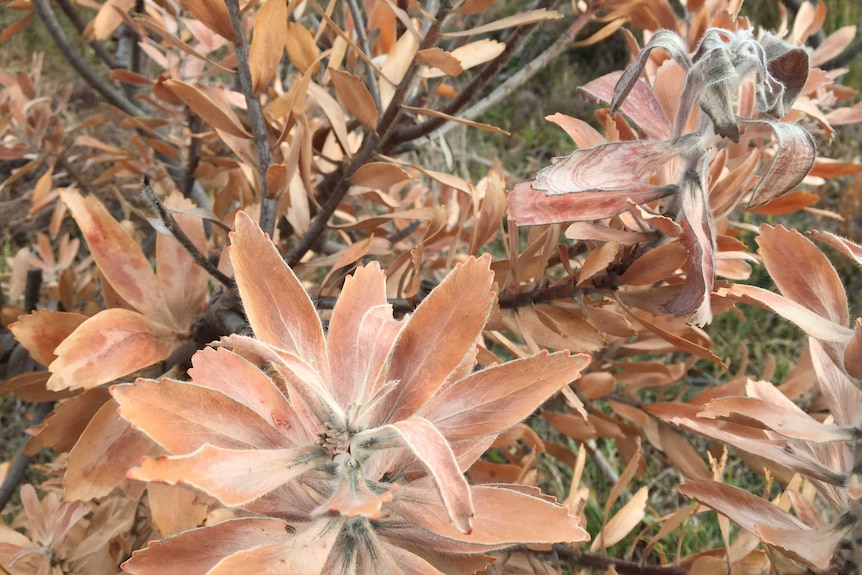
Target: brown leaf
x,y
217,116
456,119
42,331
175,509
682,455
9,31
444,62
213,14
786,204
598,260
656,265
111,344
118,256
474,6
67,421
379,175
102,456
30,387
356,98
519,19
301,48
802,272
108,18
623,521
267,43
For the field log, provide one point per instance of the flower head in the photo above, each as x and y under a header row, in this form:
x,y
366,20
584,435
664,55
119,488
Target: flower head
x,y
357,436
672,161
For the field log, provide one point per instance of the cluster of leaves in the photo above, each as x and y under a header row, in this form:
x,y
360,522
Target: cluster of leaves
x,y
322,374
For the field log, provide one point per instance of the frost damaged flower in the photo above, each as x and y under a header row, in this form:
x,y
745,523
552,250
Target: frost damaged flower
x,y
730,75
349,446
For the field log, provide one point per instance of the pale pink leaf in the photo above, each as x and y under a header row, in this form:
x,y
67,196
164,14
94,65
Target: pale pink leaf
x,y
278,307
497,397
362,291
698,237
182,416
438,336
795,152
239,379
502,517
847,247
810,322
793,424
113,343
614,166
233,476
640,104
842,395
740,506
433,451
529,207
199,550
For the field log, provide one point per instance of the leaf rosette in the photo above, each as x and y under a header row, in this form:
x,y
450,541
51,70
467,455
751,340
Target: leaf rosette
x,y
351,443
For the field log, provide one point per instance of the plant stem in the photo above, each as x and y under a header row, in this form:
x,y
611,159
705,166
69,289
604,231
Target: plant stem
x,y
258,123
175,229
370,147
72,55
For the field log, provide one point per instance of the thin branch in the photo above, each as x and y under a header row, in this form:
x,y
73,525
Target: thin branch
x,y
489,71
370,147
566,291
72,55
196,124
258,123
600,562
18,467
359,26
175,229
524,74
106,57
21,463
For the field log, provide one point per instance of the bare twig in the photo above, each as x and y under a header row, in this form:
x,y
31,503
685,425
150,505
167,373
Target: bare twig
x,y
519,78
370,147
196,124
106,57
175,229
359,26
72,55
489,71
18,468
258,123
